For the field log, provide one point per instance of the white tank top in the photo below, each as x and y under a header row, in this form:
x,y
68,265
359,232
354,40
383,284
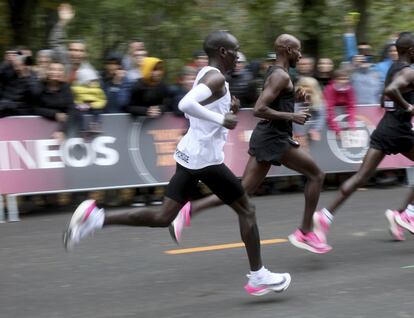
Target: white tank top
x,y
203,143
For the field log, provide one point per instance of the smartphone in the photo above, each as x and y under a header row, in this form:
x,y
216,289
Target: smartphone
x,y
293,142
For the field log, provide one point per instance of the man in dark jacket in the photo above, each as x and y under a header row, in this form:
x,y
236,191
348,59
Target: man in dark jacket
x,y
116,85
19,86
242,83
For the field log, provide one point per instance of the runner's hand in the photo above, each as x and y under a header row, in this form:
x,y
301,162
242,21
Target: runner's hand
x,y
410,109
235,104
65,13
230,121
301,117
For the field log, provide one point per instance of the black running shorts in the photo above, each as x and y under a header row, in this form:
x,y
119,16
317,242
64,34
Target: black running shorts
x,y
393,134
268,144
218,178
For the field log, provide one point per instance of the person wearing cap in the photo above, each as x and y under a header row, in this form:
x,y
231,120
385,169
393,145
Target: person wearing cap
x,y
269,60
115,83
242,83
89,100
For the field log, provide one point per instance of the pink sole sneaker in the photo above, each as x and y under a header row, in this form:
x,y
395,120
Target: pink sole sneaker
x,y
309,241
80,216
181,220
403,220
265,289
321,225
396,231
186,211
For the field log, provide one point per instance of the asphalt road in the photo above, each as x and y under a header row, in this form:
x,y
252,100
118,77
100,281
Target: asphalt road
x,y
126,272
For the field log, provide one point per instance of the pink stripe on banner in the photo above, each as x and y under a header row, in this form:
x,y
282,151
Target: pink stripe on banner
x,y
89,211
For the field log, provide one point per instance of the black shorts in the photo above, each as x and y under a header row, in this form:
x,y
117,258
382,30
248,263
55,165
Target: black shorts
x,y
220,180
268,145
393,134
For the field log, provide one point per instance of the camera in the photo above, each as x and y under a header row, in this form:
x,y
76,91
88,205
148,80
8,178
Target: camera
x,y
27,59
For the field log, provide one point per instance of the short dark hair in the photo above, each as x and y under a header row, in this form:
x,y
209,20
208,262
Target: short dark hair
x,y
214,41
404,42
113,57
199,53
340,73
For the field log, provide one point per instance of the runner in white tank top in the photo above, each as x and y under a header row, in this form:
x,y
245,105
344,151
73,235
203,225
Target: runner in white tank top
x,y
203,144
199,158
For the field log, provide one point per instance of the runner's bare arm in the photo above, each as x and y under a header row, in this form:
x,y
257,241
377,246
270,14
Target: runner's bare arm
x,y
275,84
402,83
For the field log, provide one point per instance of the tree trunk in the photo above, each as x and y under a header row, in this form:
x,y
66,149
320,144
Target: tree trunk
x,y
311,11
20,20
362,7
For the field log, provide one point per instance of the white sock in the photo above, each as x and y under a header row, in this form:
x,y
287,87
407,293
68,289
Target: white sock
x,y
328,215
258,274
410,210
100,217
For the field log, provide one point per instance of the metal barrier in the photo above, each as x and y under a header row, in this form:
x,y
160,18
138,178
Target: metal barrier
x,y
138,152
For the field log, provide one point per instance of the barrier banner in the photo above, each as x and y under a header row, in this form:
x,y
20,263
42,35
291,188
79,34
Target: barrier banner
x,y
139,152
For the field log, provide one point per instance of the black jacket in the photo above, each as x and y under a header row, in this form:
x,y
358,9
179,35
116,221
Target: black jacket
x,y
18,93
49,103
143,96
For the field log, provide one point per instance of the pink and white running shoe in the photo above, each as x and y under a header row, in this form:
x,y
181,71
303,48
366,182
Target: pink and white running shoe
x,y
181,220
269,282
86,219
397,232
405,221
321,225
309,241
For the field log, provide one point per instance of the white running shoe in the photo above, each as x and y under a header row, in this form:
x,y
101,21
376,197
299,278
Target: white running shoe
x,y
86,219
269,282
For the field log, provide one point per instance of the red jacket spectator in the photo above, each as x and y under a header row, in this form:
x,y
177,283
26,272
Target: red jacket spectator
x,y
339,92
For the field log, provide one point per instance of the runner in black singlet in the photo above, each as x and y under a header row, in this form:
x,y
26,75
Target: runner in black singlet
x,y
393,135
271,144
271,138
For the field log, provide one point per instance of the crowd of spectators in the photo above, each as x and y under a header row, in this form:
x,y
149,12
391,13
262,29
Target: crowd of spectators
x,y
60,84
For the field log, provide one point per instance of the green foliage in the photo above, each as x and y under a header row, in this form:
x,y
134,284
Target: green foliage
x,y
174,29
5,33
386,20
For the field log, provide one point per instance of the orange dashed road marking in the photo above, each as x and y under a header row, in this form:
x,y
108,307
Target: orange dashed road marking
x,y
220,247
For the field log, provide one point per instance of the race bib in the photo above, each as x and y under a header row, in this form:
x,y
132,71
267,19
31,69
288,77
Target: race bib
x,y
389,105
